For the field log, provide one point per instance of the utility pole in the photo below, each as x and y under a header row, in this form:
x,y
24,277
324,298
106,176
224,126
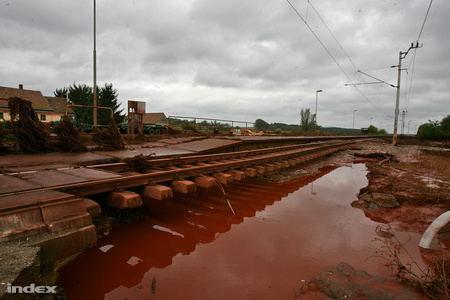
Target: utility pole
x,y
95,69
401,56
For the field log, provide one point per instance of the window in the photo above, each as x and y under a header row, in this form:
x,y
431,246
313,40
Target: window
x,y
42,117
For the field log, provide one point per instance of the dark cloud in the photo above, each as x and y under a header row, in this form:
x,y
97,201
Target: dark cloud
x,y
236,59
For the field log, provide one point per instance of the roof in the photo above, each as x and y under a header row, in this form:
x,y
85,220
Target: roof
x,y
152,118
35,97
58,104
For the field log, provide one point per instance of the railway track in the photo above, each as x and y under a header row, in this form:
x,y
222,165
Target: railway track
x,y
142,171
50,210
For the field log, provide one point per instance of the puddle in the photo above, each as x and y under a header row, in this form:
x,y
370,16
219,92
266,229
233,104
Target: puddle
x,y
192,247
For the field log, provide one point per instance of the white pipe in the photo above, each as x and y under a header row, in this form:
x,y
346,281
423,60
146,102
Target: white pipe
x,y
433,229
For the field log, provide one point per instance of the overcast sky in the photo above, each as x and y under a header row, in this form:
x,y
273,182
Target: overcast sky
x,y
238,59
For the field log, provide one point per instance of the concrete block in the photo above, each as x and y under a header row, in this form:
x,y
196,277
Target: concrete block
x,y
260,169
237,175
270,167
93,208
157,192
183,186
58,210
124,199
250,172
20,223
71,222
223,178
205,182
66,243
278,165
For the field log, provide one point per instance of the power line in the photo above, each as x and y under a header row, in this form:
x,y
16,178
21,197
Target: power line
x,y
426,16
334,59
413,60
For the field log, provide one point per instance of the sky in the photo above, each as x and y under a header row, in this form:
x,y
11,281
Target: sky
x,y
240,60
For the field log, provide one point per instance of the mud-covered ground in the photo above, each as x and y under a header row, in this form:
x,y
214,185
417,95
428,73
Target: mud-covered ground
x,y
408,189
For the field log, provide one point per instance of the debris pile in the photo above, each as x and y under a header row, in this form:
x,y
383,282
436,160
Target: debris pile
x,y
27,128
70,139
110,139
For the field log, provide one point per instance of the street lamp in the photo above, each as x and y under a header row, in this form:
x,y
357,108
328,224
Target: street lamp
x,y
317,92
354,111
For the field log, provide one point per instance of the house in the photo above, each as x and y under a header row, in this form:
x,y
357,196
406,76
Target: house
x,y
47,108
155,119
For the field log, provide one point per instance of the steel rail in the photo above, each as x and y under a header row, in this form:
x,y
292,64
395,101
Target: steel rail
x,y
189,159
157,176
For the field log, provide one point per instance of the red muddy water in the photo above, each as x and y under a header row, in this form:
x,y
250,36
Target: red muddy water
x,y
192,247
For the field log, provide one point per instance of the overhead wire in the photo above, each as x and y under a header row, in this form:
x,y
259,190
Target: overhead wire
x,y
376,106
425,19
413,60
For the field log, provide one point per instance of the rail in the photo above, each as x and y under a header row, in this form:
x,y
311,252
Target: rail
x,y
164,170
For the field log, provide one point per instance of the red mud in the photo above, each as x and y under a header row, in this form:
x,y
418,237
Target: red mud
x,y
192,247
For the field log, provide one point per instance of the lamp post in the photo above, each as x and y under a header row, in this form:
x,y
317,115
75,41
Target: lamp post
x,y
354,111
317,92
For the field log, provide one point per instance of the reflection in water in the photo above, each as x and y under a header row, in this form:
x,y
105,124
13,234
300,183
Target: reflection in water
x,y
192,247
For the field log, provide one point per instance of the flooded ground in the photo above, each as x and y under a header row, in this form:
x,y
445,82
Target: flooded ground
x,y
192,247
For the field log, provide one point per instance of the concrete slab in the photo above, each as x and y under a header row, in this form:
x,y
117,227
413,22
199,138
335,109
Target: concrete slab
x,y
90,174
10,184
207,145
47,160
70,223
32,198
21,223
59,210
51,178
157,151
56,247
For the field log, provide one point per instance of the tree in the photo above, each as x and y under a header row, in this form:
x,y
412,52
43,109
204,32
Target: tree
x,y
61,93
445,126
107,97
83,95
430,130
372,130
261,125
307,120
